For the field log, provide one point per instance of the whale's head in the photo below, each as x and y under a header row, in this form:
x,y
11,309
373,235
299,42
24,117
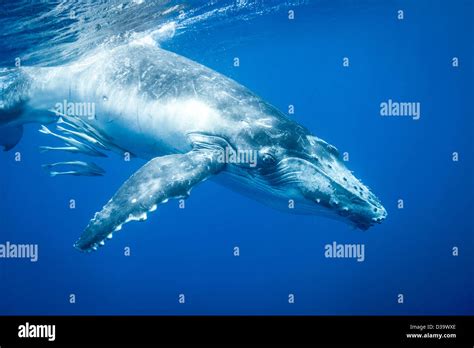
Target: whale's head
x,y
300,173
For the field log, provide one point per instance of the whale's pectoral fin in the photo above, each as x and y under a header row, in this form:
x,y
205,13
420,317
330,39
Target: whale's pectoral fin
x,y
157,181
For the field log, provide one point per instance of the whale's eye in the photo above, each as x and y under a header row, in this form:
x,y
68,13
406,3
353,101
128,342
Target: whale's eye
x,y
268,159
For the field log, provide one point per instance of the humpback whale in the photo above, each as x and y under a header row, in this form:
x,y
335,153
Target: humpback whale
x,y
181,117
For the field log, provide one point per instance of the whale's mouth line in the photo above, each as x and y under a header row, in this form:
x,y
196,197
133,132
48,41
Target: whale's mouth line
x,y
284,173
330,178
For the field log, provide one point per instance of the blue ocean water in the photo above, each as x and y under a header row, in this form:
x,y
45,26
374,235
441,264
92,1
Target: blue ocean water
x,y
287,62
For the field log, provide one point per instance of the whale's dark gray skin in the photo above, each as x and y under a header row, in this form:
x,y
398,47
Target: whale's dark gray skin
x,y
185,119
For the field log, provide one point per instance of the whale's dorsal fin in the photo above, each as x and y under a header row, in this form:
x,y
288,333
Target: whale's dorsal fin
x,y
157,181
